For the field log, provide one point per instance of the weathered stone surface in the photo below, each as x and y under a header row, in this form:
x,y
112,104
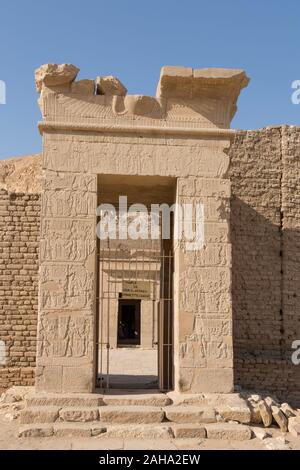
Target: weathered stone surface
x,y
16,394
132,414
238,432
255,413
110,86
83,87
238,411
266,414
280,418
64,400
41,415
186,83
55,75
144,399
97,429
190,414
139,432
189,431
38,430
72,430
270,401
294,426
79,414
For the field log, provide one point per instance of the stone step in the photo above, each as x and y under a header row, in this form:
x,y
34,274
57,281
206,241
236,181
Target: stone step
x,y
142,399
228,431
74,414
39,414
190,414
132,414
71,399
140,431
189,431
164,430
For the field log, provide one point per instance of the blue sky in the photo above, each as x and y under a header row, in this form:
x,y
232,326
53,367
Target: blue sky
x,y
133,39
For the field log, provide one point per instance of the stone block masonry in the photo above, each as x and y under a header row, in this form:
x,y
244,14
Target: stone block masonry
x,y
19,264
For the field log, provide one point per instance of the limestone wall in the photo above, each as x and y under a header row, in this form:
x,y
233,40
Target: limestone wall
x,y
19,242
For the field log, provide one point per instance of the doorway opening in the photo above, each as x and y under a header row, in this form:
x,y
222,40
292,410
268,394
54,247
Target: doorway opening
x,y
135,293
129,323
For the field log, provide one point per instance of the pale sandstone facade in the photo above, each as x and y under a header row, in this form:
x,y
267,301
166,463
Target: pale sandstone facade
x,y
179,135
256,285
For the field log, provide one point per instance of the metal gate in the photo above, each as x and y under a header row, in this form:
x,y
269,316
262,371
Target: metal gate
x,y
139,275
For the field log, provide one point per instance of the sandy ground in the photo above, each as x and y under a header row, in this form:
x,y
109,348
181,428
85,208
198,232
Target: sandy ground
x,y
130,367
10,441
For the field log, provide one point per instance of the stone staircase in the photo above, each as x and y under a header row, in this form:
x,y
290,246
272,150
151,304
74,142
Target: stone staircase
x,y
129,415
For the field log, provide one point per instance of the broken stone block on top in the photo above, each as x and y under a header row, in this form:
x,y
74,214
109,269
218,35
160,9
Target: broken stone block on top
x,y
53,75
110,86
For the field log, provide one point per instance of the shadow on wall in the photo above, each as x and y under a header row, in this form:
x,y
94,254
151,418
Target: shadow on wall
x,y
264,303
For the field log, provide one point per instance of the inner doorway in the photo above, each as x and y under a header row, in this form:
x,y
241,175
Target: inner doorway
x,y
129,323
135,294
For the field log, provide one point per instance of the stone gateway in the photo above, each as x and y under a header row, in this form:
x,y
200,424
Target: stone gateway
x,y
83,315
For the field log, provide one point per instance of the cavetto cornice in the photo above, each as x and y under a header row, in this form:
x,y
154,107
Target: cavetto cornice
x,y
190,102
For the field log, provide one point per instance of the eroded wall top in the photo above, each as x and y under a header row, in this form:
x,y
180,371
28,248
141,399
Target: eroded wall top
x,y
186,98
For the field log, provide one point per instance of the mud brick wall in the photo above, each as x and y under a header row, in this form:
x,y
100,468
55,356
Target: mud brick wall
x,y
265,221
291,253
19,247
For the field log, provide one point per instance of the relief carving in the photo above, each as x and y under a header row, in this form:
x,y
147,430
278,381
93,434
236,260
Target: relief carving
x,y
69,287
65,336
68,203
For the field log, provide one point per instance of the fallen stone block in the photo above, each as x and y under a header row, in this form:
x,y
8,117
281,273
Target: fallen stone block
x,y
266,414
288,410
255,398
270,402
255,414
294,426
280,418
226,431
240,413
